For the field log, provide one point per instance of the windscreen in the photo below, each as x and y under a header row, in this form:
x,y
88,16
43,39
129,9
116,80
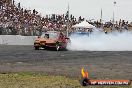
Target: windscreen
x,y
50,35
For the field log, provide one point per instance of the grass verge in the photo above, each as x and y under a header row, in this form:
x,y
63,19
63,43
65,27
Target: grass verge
x,y
33,80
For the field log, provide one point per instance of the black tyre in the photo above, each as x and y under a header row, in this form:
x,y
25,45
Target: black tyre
x,y
36,48
57,47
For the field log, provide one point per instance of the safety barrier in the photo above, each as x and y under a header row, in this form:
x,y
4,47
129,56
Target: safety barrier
x,y
16,40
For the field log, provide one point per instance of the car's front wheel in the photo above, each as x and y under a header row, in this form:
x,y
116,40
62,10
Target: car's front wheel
x,y
36,48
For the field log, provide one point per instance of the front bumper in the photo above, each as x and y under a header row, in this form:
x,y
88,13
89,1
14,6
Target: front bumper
x,y
39,45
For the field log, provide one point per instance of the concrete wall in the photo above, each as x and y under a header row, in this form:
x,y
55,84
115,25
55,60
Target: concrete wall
x,y
16,40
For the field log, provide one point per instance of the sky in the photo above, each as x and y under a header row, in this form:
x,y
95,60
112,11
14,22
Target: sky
x,y
89,9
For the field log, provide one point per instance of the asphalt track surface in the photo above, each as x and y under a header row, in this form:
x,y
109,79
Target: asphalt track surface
x,y
104,65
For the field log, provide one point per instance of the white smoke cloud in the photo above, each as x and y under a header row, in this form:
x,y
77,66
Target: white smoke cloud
x,y
99,41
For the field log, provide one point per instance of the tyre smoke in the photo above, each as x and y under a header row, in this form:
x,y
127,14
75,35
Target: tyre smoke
x,y
99,41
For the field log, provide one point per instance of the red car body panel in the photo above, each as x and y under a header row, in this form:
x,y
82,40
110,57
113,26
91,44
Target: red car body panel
x,y
52,39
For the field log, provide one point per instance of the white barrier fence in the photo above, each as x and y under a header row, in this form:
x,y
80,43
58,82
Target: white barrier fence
x,y
16,40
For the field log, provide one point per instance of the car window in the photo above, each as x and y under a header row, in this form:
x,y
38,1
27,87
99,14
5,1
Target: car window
x,y
53,35
50,35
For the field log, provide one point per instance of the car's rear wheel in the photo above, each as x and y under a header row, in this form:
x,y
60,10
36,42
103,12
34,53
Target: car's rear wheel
x,y
57,47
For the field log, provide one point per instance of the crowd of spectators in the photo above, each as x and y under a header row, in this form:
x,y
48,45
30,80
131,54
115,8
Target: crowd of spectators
x,y
110,26
16,20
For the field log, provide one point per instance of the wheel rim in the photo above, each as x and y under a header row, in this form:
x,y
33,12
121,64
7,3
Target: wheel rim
x,y
57,48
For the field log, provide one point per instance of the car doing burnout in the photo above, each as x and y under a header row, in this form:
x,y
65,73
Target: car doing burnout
x,y
51,39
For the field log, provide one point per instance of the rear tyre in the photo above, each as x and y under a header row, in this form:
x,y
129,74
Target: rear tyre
x,y
57,47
